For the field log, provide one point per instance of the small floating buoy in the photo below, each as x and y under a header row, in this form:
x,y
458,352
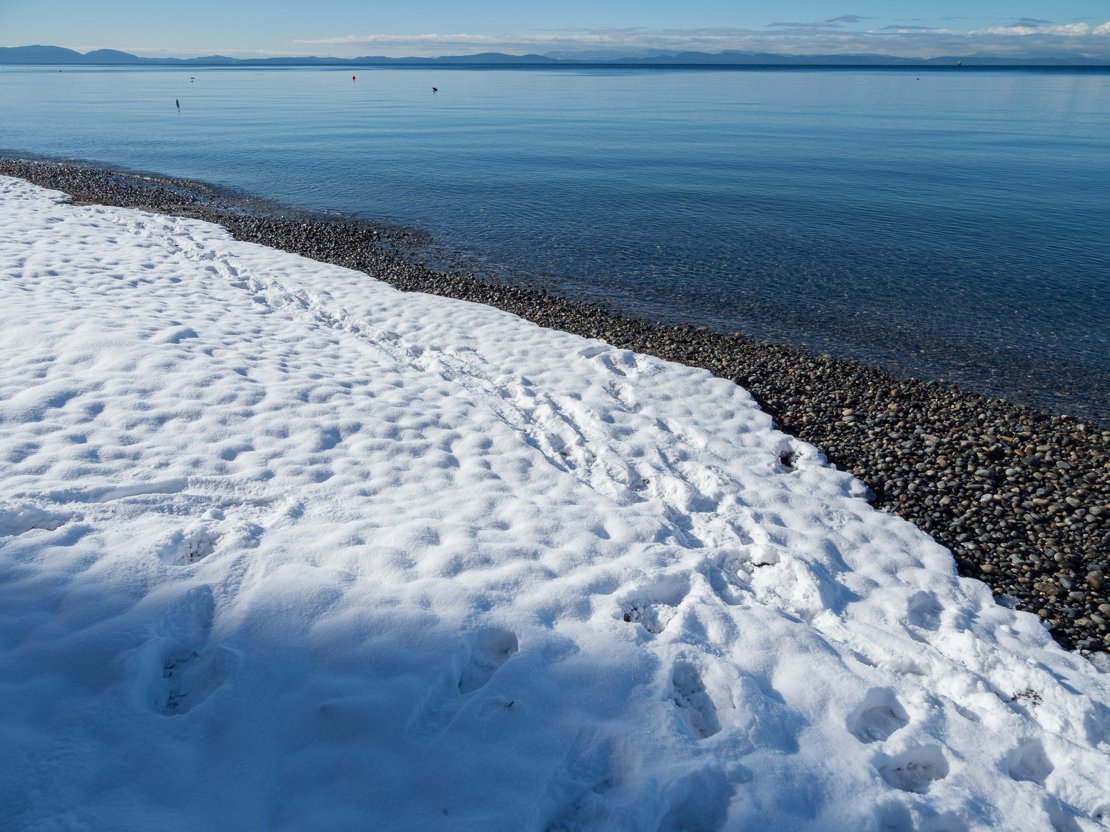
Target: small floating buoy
x,y
177,101
353,78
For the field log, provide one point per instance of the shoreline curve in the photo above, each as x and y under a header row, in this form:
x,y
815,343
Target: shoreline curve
x,y
1020,497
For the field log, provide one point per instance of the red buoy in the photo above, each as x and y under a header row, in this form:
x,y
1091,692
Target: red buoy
x,y
353,78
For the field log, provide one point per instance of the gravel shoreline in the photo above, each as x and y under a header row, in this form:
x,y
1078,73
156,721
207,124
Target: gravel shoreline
x,y
1021,497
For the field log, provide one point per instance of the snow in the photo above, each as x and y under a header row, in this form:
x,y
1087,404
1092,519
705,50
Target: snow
x,y
284,548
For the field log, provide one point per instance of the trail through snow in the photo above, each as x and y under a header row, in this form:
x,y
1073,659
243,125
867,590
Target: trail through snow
x,y
284,548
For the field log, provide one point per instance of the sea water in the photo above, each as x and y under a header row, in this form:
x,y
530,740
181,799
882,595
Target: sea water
x,y
951,224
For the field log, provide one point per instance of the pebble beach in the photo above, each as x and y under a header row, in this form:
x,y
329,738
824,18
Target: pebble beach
x,y
1021,497
284,545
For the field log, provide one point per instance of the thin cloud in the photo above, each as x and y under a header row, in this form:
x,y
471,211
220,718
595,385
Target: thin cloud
x,y
633,37
847,18
1066,30
800,28
1022,38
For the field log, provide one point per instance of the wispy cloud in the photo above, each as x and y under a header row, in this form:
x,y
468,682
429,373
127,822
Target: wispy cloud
x,y
840,35
632,37
818,26
1025,26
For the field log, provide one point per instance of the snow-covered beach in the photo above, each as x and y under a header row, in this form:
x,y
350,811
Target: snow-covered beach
x,y
282,547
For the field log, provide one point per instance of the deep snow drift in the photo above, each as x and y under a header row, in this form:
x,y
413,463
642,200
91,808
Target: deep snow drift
x,y
284,548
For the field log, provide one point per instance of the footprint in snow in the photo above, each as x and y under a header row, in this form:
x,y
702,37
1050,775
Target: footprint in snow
x,y
692,699
189,669
617,361
699,801
586,790
185,547
485,652
1029,762
729,577
654,618
924,611
1061,816
879,716
190,678
914,770
655,606
894,817
488,651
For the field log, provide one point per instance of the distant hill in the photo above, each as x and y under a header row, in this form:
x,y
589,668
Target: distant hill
x,y
59,56
40,55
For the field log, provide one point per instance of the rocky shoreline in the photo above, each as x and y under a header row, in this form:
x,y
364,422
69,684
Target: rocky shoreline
x,y
1022,498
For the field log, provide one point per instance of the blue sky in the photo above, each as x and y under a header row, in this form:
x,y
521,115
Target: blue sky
x,y
437,27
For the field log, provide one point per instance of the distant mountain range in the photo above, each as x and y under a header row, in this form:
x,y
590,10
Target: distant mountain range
x,y
59,56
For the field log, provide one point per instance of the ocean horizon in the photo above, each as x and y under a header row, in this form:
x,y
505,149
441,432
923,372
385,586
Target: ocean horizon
x,y
935,223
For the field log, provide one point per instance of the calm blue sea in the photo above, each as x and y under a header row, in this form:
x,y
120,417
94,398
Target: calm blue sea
x,y
950,224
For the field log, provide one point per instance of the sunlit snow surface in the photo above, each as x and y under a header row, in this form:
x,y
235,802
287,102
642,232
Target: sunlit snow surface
x,y
284,548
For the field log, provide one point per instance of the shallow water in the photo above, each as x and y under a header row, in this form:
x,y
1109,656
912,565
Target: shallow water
x,y
951,224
